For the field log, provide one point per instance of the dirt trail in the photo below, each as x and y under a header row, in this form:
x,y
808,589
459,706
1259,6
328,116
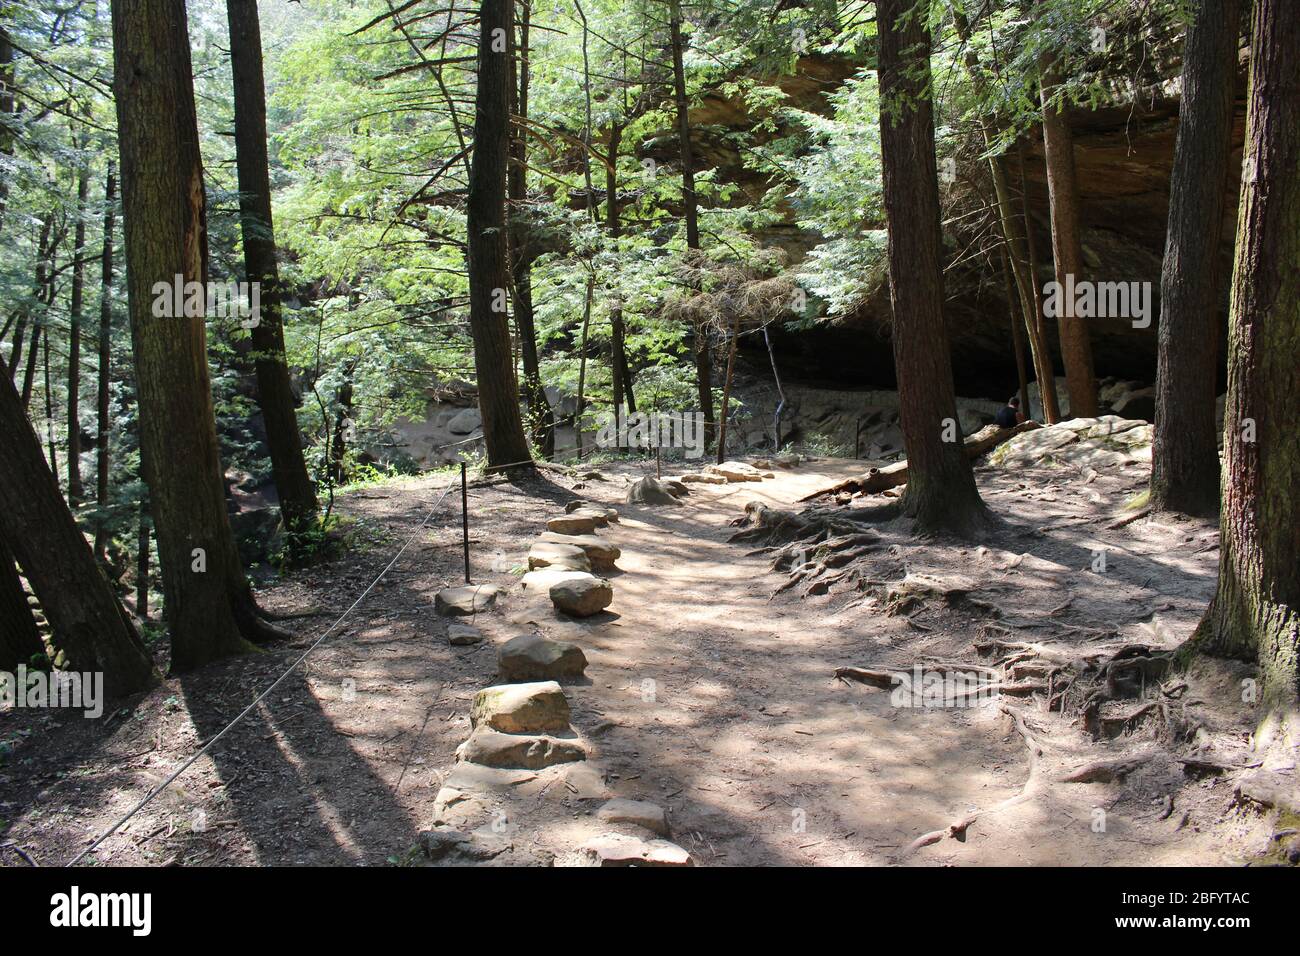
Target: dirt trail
x,y
703,696
765,758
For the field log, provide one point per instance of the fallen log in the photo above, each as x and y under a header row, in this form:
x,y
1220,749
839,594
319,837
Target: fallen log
x,y
875,480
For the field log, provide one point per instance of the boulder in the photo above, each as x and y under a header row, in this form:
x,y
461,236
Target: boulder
x,y
532,708
561,557
582,598
650,491
464,422
532,658
615,849
573,524
491,748
638,812
463,635
599,551
465,599
1136,404
971,420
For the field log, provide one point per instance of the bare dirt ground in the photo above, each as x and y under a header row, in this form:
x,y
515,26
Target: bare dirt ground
x,y
704,694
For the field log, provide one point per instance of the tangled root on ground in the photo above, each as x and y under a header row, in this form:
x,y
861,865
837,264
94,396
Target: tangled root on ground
x,y
1086,682
815,547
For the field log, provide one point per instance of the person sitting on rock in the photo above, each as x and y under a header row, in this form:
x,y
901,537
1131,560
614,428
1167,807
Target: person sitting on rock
x,y
1010,415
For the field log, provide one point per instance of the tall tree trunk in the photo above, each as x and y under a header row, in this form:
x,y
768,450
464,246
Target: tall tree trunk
x,y
76,490
1185,454
620,372
209,607
298,504
1017,335
142,561
541,418
1255,613
1044,370
940,492
103,425
1016,251
20,640
49,407
38,291
89,624
703,362
6,110
1067,247
580,403
726,389
498,398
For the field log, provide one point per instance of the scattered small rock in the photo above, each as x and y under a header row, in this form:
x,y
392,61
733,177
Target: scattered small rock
x,y
463,635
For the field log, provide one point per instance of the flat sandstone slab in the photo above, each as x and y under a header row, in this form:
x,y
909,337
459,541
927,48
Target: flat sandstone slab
x,y
465,599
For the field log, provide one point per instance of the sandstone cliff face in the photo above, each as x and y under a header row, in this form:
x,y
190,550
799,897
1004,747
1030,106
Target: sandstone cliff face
x,y
1123,156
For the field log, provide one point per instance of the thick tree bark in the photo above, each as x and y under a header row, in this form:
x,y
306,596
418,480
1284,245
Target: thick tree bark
x,y
88,623
941,493
298,504
541,418
208,605
1185,454
76,490
703,361
20,640
103,424
1255,613
498,398
1067,247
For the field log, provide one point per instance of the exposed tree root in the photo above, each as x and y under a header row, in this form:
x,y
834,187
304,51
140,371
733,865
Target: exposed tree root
x,y
957,829
807,545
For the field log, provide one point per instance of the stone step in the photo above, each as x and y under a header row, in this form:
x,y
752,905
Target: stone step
x,y
575,523
600,552
582,597
617,849
561,557
532,658
532,708
491,748
465,599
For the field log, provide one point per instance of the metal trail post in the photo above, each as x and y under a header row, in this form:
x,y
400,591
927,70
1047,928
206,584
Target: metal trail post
x,y
464,517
